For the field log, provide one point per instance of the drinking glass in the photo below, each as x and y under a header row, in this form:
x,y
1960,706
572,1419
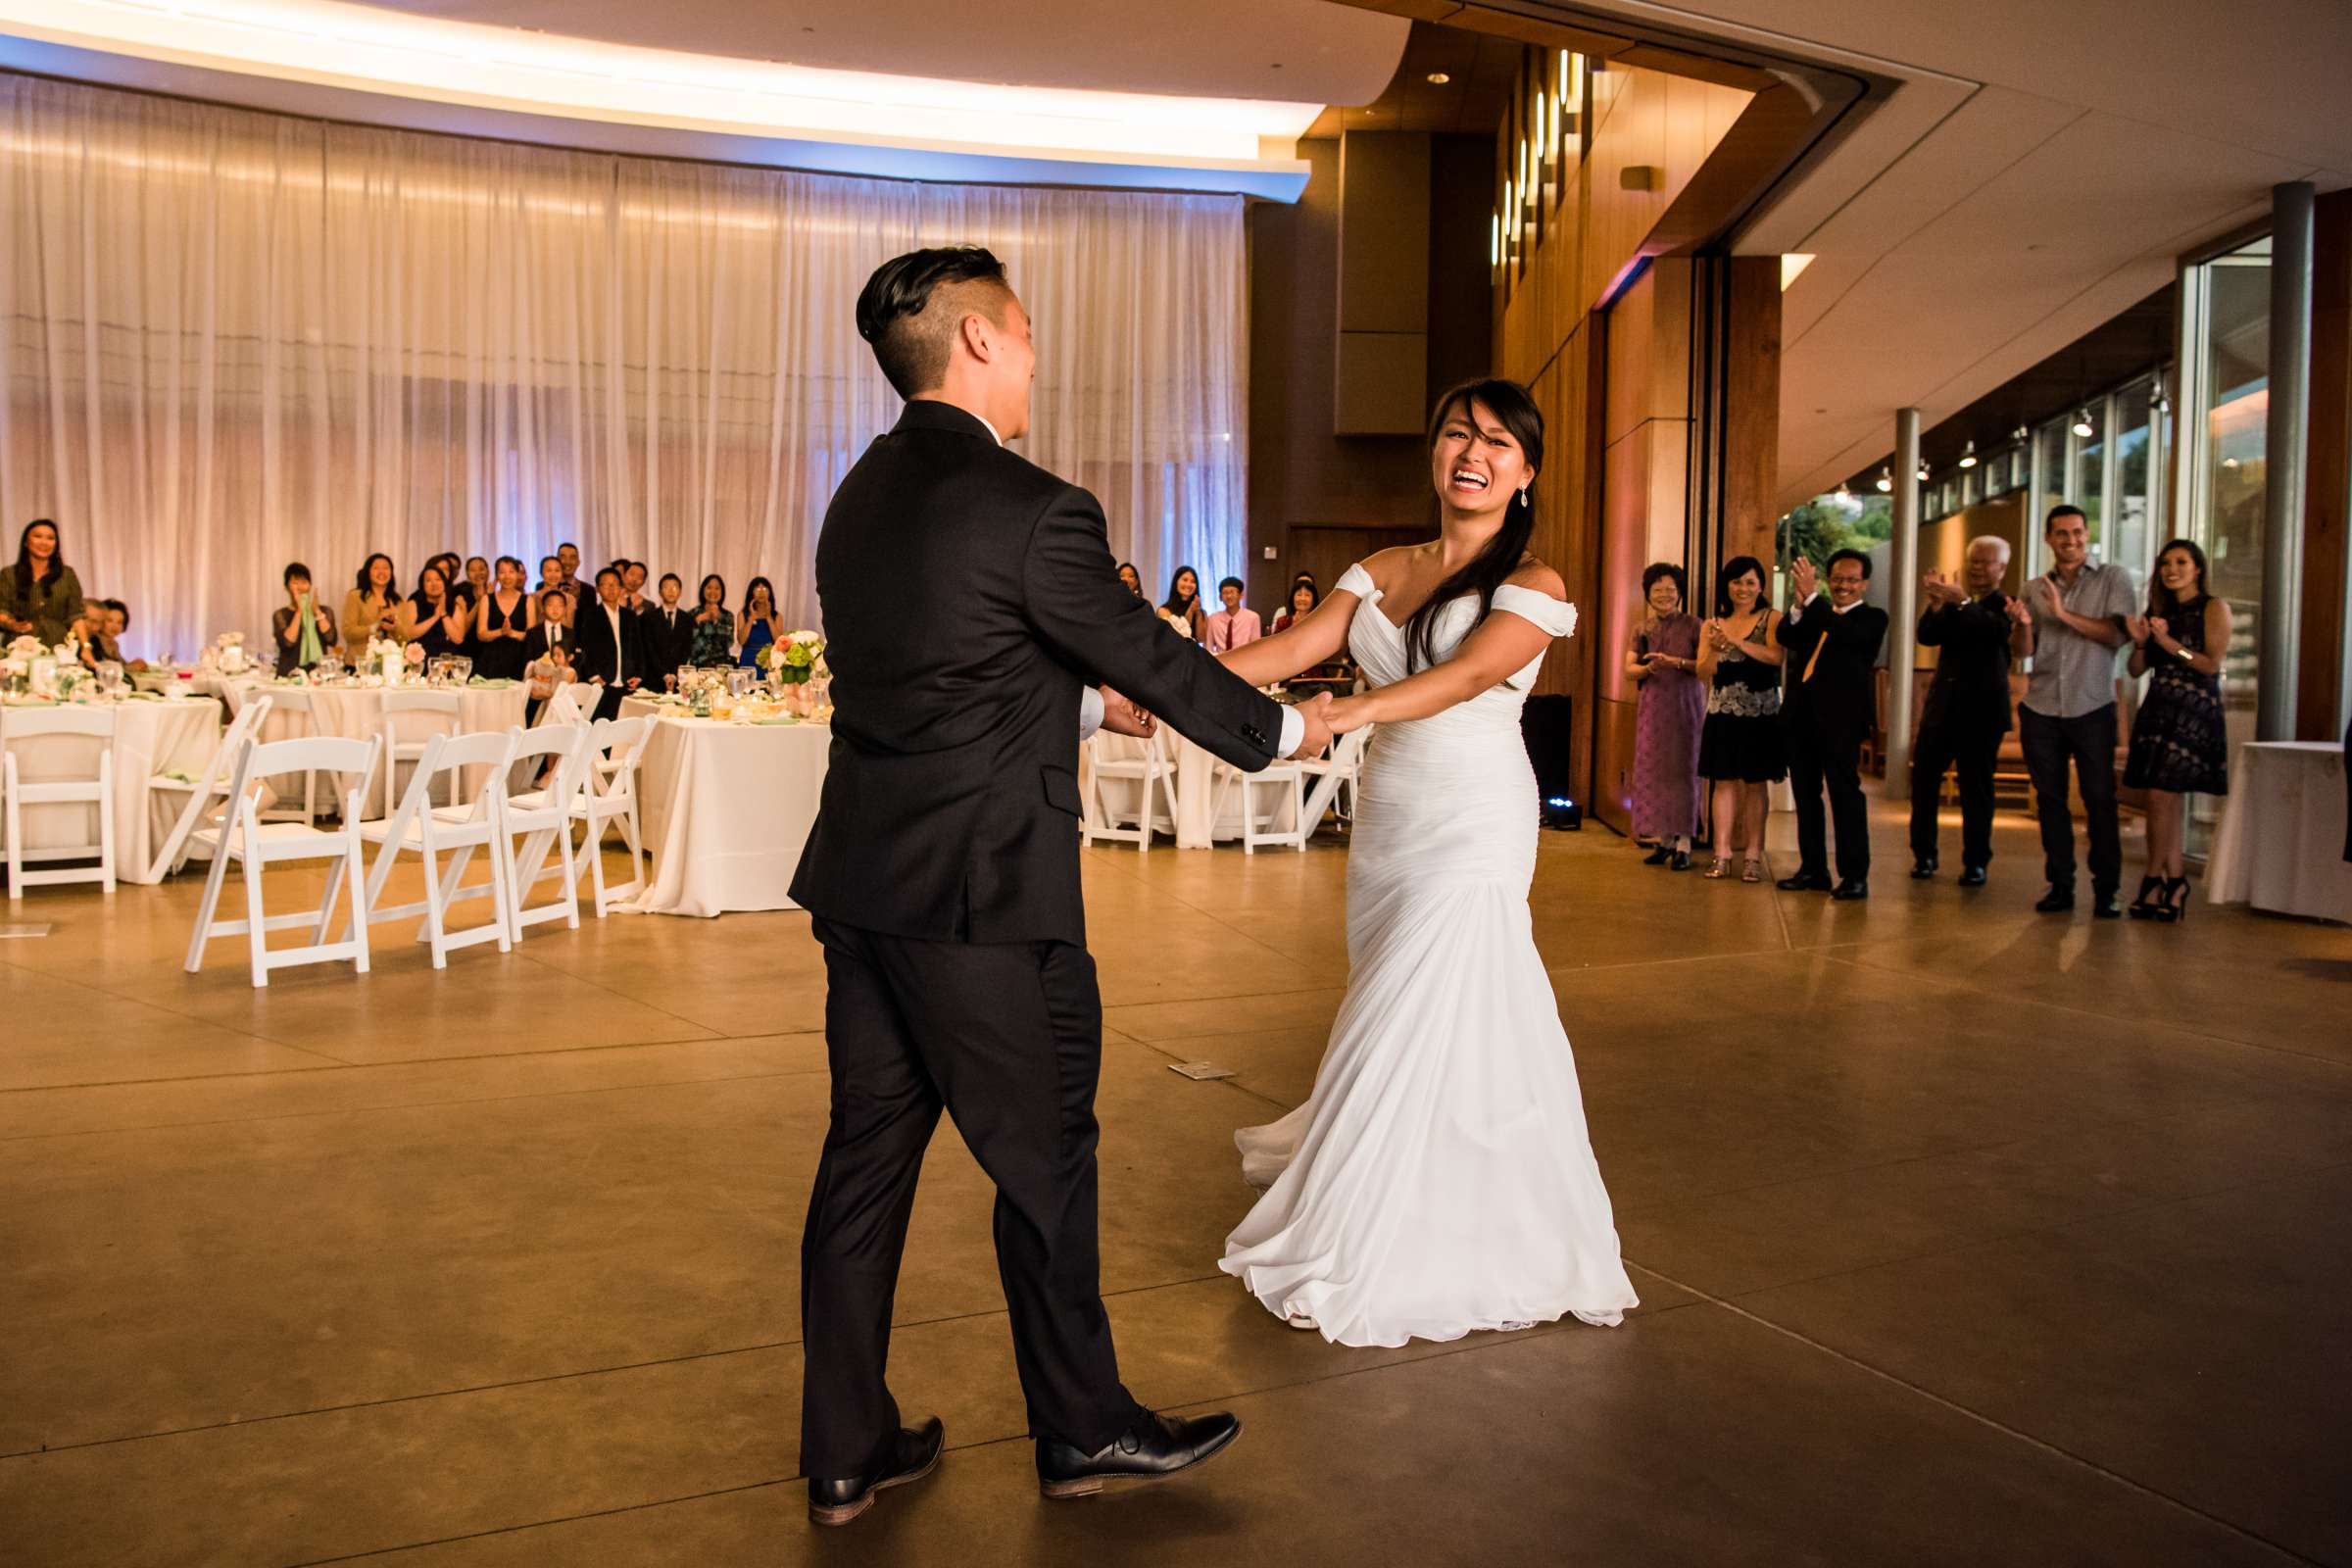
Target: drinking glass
x,y
110,677
739,681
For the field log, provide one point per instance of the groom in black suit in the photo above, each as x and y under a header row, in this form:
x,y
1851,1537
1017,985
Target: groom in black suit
x,y
971,609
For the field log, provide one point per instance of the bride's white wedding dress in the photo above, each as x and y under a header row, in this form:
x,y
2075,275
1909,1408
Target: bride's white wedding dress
x,y
1440,1179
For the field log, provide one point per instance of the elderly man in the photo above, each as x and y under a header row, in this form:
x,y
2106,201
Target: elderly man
x,y
1967,710
1832,641
2072,624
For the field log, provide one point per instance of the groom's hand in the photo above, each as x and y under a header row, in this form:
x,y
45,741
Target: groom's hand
x,y
1317,714
1122,717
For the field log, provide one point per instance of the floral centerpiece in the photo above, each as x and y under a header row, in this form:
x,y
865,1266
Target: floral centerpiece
x,y
796,660
388,661
228,653
34,668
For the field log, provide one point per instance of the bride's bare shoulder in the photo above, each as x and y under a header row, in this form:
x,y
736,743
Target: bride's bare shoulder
x,y
1385,566
1533,573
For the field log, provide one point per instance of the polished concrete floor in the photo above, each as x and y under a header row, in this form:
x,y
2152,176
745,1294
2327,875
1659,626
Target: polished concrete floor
x,y
1964,1236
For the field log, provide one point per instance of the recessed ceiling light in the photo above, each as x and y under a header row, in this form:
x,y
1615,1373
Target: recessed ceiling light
x,y
1439,79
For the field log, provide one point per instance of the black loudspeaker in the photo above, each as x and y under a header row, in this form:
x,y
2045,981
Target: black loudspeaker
x,y
1548,723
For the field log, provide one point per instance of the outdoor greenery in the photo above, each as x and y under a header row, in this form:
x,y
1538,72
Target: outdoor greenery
x,y
1827,524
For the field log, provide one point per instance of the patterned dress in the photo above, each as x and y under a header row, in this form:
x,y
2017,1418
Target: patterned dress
x,y
1743,739
1667,717
2179,742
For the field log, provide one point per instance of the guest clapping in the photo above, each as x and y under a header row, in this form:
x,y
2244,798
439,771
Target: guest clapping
x,y
1740,748
502,620
373,607
611,645
713,645
1236,625
1967,710
1831,702
1182,607
432,618
2179,740
1133,578
477,580
303,630
761,627
40,595
2073,623
1668,716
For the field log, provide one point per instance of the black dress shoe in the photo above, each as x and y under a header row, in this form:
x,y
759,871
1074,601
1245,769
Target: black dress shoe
x,y
2106,904
1972,876
1923,869
1681,860
2058,900
1805,882
1852,888
913,1454
1658,856
1154,1449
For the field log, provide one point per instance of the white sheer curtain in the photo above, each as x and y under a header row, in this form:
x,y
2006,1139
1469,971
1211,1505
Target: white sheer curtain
x,y
235,340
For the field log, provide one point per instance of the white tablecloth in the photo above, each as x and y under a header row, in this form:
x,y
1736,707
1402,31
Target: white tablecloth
x,y
1195,793
2281,843
727,808
358,712
151,737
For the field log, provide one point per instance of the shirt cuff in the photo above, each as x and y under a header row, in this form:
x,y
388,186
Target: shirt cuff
x,y
1090,712
1294,732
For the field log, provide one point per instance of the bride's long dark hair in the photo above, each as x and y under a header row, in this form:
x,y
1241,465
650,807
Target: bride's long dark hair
x,y
1491,568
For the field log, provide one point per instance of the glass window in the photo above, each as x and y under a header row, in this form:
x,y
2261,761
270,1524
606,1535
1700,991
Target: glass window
x,y
2230,305
2131,540
2087,480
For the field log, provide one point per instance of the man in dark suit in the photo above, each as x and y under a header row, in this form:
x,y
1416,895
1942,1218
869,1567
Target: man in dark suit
x,y
1967,710
970,602
1833,642
611,645
668,630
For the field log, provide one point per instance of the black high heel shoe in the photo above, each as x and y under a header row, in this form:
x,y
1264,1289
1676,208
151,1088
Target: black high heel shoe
x,y
2174,908
2148,905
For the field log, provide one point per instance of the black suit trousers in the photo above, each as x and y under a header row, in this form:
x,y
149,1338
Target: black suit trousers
x,y
1817,759
1972,747
1007,1038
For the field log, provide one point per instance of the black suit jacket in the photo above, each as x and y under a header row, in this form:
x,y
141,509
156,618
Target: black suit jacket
x,y
666,647
1840,703
596,654
1972,676
534,643
969,598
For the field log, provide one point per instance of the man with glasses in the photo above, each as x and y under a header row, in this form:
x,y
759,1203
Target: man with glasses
x,y
1833,642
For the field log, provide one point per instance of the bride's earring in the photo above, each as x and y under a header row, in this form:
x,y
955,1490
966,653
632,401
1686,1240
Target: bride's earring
x,y
1523,501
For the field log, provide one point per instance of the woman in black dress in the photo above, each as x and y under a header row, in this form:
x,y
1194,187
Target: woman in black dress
x,y
431,619
1741,750
501,621
2179,742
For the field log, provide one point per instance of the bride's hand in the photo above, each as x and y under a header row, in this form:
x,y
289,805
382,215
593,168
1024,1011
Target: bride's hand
x,y
1347,713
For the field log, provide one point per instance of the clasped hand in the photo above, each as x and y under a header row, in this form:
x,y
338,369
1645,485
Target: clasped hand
x,y
1323,719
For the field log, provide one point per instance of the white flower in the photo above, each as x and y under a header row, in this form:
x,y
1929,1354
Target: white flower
x,y
25,646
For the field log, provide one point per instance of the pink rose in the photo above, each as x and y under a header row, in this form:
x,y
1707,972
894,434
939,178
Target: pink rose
x,y
413,652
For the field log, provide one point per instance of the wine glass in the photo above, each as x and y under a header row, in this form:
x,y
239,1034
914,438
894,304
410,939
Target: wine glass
x,y
110,677
739,681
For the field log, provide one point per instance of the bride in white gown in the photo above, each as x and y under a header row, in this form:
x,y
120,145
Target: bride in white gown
x,y
1440,1179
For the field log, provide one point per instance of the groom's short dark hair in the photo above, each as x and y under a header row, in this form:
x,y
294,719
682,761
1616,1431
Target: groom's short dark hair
x,y
911,340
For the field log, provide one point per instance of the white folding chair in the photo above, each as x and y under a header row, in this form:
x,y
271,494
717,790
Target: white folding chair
x,y
614,754
243,837
540,817
1288,780
412,721
292,703
1152,771
51,785
210,790
1342,771
456,830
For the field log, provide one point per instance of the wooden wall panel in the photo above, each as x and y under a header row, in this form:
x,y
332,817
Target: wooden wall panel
x,y
1752,398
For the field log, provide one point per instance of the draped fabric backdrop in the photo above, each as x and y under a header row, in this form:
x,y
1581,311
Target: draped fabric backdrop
x,y
235,340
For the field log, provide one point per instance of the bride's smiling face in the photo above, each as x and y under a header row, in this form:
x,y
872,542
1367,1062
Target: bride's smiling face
x,y
1477,467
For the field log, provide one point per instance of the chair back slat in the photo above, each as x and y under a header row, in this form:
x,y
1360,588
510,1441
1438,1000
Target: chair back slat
x,y
65,719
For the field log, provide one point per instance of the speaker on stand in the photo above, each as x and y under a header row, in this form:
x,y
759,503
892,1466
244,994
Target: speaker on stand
x,y
1547,724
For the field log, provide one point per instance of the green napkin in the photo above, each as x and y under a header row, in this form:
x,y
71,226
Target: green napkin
x,y
485,684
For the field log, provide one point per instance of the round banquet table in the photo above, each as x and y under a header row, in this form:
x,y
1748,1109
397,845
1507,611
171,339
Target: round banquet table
x,y
152,735
1202,819
727,808
358,712
2281,841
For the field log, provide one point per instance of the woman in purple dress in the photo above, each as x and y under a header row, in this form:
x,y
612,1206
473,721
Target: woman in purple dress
x,y
1667,718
